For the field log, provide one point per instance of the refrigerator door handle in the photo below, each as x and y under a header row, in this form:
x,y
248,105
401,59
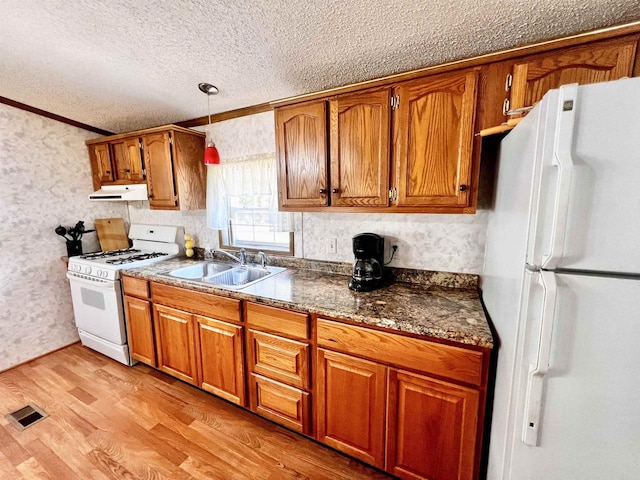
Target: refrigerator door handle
x,y
537,372
562,158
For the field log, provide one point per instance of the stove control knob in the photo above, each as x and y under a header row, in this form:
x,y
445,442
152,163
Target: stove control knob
x,y
99,272
87,270
105,273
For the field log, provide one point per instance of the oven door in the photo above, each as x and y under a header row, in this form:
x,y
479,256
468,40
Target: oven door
x,y
97,305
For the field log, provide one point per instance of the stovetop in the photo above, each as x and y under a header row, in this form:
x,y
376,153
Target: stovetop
x,y
121,257
150,244
106,264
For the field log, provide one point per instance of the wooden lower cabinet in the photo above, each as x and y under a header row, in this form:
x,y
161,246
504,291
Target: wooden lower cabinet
x,y
431,428
351,397
409,406
220,358
175,346
140,330
281,403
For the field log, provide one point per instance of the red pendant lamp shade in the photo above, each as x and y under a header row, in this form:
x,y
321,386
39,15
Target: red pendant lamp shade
x,y
211,155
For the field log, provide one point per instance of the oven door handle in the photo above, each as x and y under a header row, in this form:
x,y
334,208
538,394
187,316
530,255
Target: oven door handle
x,y
103,285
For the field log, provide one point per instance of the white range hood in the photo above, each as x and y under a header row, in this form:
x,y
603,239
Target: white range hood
x,y
118,193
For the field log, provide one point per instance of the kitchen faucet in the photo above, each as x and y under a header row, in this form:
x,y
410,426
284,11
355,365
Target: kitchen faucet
x,y
242,259
263,259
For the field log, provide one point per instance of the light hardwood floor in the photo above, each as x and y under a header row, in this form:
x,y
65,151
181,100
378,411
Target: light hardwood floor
x,y
108,421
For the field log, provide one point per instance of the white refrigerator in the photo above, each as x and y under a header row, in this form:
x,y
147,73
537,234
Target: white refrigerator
x,y
561,285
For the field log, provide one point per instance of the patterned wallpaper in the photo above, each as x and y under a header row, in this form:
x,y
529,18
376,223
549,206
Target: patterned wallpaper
x,y
445,243
450,243
44,181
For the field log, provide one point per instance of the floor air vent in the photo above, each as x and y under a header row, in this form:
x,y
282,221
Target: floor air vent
x,y
27,416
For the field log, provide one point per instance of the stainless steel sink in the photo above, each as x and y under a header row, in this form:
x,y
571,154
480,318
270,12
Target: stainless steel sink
x,y
242,277
200,270
224,275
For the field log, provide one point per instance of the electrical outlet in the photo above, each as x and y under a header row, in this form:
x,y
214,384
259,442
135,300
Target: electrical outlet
x,y
333,246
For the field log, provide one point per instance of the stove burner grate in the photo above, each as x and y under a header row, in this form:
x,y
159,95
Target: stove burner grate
x,y
135,258
110,253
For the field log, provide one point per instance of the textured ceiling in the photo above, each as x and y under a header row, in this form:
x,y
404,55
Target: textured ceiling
x,y
125,64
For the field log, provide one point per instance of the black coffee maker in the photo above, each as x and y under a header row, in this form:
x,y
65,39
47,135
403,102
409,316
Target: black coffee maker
x,y
368,268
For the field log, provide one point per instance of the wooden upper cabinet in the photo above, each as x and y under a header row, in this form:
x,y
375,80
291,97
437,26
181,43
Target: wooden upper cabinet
x,y
127,159
103,169
599,62
431,428
359,145
301,144
433,134
158,157
168,159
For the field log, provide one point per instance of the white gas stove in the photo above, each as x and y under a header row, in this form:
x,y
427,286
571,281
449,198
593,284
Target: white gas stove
x,y
96,289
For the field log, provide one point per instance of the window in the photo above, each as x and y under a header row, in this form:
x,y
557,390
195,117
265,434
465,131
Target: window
x,y
242,205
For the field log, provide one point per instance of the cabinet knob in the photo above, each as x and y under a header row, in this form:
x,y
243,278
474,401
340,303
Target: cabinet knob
x,y
335,190
107,171
463,188
150,196
128,170
323,190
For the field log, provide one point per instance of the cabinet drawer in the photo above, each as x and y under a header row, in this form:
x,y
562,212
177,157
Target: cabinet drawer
x,y
196,302
279,358
136,287
421,355
281,403
277,320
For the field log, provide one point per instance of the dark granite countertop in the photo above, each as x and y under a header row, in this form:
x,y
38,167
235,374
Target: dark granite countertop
x,y
441,312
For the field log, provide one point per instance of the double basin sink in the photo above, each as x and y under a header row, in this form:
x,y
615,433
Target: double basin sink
x,y
221,274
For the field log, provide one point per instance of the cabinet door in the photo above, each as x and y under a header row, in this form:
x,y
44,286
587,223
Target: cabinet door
x,y
351,405
281,403
127,159
220,358
602,62
132,148
433,131
104,170
359,140
160,173
140,330
175,343
431,429
301,145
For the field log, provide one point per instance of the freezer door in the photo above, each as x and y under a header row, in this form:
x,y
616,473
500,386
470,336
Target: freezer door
x,y
585,420
586,216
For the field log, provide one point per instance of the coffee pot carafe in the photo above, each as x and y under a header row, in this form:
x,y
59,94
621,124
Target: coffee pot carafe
x,y
368,269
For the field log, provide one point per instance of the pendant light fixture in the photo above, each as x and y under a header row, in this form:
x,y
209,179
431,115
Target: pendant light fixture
x,y
211,155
